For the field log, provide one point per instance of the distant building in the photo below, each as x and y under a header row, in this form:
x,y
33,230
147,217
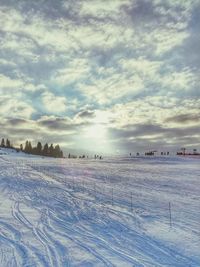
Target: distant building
x,y
150,153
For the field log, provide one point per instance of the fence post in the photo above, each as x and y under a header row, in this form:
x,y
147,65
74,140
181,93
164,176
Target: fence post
x,y
170,215
83,184
112,196
131,201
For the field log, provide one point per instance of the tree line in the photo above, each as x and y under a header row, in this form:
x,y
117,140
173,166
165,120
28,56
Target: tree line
x,y
6,143
46,150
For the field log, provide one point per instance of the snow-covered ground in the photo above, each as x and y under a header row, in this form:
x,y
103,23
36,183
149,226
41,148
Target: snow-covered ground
x,y
111,212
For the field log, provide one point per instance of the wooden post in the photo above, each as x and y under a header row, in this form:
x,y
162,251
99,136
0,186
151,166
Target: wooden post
x,y
102,190
83,184
131,201
170,215
112,196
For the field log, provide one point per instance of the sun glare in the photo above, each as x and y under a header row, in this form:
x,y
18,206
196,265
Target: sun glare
x,y
96,135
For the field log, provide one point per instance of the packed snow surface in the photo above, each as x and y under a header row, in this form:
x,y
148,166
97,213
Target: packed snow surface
x,y
110,212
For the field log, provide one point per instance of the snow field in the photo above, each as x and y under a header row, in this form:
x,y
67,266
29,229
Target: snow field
x,y
114,212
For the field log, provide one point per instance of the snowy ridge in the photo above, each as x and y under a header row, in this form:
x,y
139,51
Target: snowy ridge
x,y
99,213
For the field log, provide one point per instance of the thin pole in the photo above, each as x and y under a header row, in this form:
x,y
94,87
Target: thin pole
x,y
112,196
131,201
170,215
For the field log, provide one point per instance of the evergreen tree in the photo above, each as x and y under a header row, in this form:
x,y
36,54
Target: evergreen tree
x,y
34,151
57,151
2,142
26,149
46,150
7,143
51,150
39,148
29,147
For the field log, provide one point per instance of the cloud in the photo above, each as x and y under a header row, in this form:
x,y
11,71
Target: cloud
x,y
86,114
111,88
15,108
184,118
54,104
150,136
77,69
8,83
16,121
56,123
102,9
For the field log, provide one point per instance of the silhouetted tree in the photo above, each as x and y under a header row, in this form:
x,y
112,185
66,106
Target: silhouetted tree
x,y
39,148
46,150
7,143
29,147
26,147
34,151
2,142
58,152
51,151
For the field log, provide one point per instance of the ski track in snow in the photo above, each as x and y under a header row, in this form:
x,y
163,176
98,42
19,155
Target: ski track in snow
x,y
99,213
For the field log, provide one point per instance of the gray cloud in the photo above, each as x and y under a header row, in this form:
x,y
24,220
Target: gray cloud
x,y
151,134
184,118
57,124
16,121
86,114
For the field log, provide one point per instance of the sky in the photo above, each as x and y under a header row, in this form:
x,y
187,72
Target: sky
x,y
109,76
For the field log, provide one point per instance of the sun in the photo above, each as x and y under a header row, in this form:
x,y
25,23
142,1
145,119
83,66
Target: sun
x,y
96,132
96,135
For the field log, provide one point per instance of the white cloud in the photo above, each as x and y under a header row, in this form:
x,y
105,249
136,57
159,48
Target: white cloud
x,y
21,84
111,87
44,33
6,82
16,108
76,70
167,39
54,104
102,8
145,68
154,110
